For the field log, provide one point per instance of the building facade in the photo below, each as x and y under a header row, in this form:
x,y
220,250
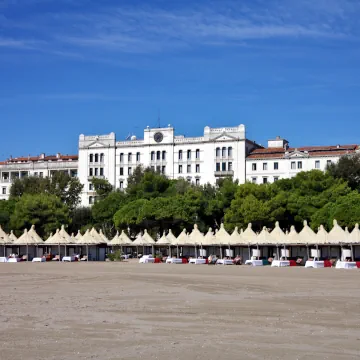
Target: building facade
x,y
217,153
42,166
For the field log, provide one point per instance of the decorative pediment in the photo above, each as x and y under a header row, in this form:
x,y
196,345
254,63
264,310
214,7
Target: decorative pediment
x,y
224,137
296,154
96,144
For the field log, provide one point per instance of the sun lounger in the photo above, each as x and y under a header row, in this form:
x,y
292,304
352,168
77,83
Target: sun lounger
x,y
69,258
346,265
56,258
280,263
224,262
197,261
174,261
3,259
254,262
146,259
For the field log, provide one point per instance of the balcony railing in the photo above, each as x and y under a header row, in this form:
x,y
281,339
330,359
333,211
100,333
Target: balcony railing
x,y
224,173
96,177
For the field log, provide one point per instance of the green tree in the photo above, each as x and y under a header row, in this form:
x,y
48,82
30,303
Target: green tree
x,y
102,187
81,219
45,211
6,210
347,168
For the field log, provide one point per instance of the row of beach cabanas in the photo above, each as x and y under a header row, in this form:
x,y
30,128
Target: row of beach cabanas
x,y
192,243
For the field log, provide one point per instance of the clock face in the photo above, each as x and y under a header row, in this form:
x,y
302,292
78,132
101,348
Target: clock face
x,y
158,137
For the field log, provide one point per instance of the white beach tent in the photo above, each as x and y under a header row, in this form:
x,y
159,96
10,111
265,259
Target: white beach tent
x,y
12,236
249,235
88,240
26,239
97,236
278,235
236,238
78,236
196,238
354,237
102,235
55,240
4,240
292,238
322,236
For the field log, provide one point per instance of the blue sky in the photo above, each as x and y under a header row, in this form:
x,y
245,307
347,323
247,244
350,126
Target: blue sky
x,y
281,67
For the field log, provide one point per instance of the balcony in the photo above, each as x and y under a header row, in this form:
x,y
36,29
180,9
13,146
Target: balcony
x,y
96,177
224,173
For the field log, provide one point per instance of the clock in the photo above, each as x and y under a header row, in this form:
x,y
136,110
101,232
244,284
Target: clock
x,y
158,137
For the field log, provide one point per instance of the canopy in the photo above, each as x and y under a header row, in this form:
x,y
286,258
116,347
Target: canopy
x,y
292,236
196,237
56,239
35,235
307,235
209,238
278,236
97,236
236,238
143,240
78,236
337,235
322,236
222,237
12,236
102,235
147,238
4,238
183,238
163,240
249,235
66,237
355,235
265,237
171,237
88,239
27,239
120,240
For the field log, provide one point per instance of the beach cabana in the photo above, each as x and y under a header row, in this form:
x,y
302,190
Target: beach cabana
x,y
280,240
90,243
78,236
27,240
144,240
339,239
102,235
308,238
196,238
12,236
54,242
354,240
164,242
223,239
182,240
250,238
120,240
4,240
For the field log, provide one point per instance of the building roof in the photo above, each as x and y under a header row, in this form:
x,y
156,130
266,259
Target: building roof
x,y
42,157
312,151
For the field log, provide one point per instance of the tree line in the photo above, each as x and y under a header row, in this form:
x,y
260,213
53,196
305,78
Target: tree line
x,y
154,202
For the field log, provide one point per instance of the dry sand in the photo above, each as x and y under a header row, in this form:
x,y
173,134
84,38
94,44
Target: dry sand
x,y
159,311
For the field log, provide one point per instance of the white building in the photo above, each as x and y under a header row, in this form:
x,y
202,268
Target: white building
x,y
219,152
42,166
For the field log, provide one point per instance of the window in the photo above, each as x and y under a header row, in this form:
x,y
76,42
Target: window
x,y
328,162
197,182
265,166
180,169
293,165
121,157
4,190
96,157
152,155
197,153
317,164
41,174
35,173
265,180
121,184
158,155
180,154
91,157
253,180
299,164
223,166
230,166
96,171
101,157
163,168
189,154
217,166
224,152
163,155
91,200
276,178
129,171
153,168
101,171
188,179
276,166
91,186
129,157
217,152
137,156
158,169
189,168
91,172
253,166
230,151
121,171
197,168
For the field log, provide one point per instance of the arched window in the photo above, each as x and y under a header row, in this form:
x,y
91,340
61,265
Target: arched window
x,y
218,152
189,154
153,155
158,155
197,153
163,155
224,152
129,157
180,154
96,157
121,157
230,151
101,157
91,158
137,156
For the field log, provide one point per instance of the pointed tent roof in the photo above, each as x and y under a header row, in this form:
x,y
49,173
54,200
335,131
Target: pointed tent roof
x,y
114,239
121,239
163,240
88,239
222,237
78,236
236,238
292,236
307,235
355,235
34,234
171,237
138,240
183,238
147,238
337,235
102,235
4,238
265,237
278,235
50,236
96,236
125,238
56,239
72,239
27,239
209,238
322,235
12,236
249,235
66,237
196,237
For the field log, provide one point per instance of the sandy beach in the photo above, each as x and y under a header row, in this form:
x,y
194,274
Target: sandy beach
x,y
159,311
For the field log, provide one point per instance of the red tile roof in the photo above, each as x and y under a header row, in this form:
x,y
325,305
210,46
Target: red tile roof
x,y
312,151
